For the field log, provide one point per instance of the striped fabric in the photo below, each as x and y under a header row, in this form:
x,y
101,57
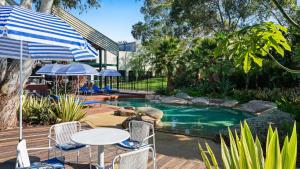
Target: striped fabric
x,y
10,48
27,25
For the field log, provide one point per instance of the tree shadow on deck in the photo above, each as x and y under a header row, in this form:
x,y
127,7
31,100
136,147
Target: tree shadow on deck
x,y
11,163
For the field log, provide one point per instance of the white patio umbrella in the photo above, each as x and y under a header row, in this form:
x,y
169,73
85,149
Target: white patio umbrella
x,y
77,69
50,69
20,27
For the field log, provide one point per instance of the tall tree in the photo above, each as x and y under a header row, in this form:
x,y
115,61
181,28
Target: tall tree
x,y
9,76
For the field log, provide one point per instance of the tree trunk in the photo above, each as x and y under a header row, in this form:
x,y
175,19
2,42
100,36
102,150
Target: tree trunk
x,y
9,78
170,82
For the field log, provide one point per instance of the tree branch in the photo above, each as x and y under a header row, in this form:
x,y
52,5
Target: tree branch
x,y
285,15
26,4
280,65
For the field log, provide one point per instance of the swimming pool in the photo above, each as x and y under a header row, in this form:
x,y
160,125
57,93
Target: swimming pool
x,y
191,120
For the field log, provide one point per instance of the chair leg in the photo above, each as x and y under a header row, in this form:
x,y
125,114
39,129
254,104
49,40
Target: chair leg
x,y
77,157
90,149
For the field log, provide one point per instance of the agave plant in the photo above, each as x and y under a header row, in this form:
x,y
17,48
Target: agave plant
x,y
36,110
68,108
245,152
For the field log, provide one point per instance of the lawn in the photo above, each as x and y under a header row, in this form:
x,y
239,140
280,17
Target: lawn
x,y
151,84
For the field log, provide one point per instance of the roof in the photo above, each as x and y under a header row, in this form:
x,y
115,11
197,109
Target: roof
x,y
89,33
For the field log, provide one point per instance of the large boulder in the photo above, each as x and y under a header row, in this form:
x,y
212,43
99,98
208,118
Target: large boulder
x,y
223,102
259,125
200,101
183,95
173,100
150,111
126,121
150,97
257,106
125,112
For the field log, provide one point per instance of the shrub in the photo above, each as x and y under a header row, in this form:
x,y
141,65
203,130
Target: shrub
x,y
246,152
37,110
68,108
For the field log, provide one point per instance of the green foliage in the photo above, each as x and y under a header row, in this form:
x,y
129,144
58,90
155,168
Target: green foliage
x,y
290,105
246,152
37,110
68,108
251,45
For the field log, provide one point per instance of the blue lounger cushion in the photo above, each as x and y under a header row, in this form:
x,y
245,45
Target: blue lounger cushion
x,y
69,146
129,144
53,162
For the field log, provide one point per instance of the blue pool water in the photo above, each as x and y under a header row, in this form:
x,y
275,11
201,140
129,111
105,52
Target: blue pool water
x,y
191,120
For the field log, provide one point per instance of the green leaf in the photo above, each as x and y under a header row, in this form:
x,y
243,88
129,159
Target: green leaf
x,y
226,158
212,156
273,157
260,155
256,60
204,157
247,63
233,150
292,148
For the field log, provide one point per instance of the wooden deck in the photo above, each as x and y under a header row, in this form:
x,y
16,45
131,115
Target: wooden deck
x,y
37,137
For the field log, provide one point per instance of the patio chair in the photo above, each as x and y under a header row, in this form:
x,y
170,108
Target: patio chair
x,y
23,161
62,138
96,89
140,134
137,159
85,90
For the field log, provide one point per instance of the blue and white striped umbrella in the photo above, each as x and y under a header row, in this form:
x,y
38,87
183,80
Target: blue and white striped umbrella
x,y
23,24
28,26
49,69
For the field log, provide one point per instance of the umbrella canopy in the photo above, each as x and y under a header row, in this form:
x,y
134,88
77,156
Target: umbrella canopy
x,y
109,73
49,69
26,26
76,69
10,48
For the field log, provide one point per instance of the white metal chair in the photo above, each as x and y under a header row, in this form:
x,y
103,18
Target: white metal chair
x,y
23,161
137,159
140,134
61,135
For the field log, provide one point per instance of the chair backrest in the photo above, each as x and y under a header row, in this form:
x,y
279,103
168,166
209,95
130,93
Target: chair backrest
x,y
64,131
139,130
22,155
96,88
137,159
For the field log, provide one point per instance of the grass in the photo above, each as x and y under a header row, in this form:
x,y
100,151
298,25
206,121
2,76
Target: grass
x,y
153,84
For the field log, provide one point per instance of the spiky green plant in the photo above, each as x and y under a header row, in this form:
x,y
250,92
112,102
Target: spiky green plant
x,y
36,110
245,152
68,108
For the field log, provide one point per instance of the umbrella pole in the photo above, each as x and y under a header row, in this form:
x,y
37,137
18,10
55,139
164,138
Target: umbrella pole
x,y
78,85
56,85
21,90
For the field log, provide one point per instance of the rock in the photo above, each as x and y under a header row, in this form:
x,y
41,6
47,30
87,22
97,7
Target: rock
x,y
150,111
259,125
223,102
173,100
257,106
126,121
124,112
155,101
230,103
157,97
150,97
129,108
200,101
183,95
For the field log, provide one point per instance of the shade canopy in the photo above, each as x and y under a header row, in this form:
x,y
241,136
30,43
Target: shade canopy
x,y
76,69
49,69
109,73
24,24
10,48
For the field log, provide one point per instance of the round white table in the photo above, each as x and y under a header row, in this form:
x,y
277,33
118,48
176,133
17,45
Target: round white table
x,y
100,137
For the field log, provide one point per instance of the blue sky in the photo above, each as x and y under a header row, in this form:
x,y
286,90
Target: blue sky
x,y
114,19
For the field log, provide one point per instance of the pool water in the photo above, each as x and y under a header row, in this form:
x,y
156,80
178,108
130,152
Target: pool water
x,y
191,120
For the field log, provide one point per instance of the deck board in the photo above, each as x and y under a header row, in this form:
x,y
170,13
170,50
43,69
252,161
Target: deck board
x,y
37,137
